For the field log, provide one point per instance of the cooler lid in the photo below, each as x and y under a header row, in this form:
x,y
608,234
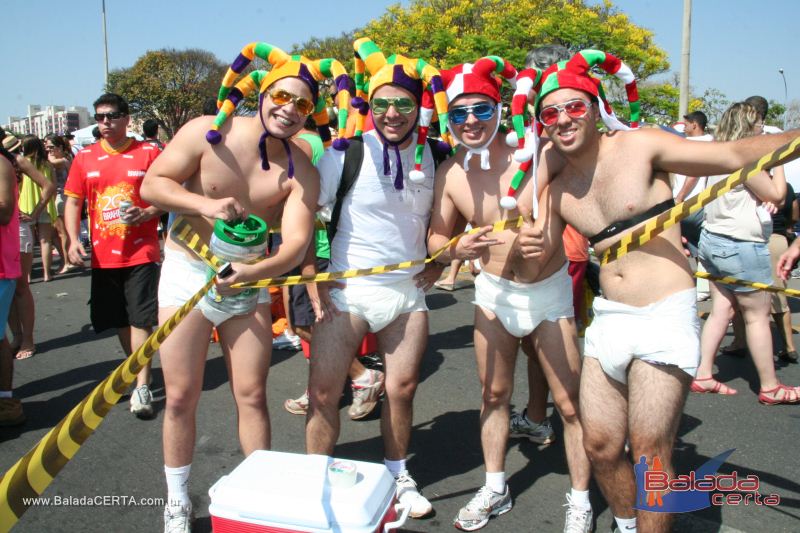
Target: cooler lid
x,y
292,490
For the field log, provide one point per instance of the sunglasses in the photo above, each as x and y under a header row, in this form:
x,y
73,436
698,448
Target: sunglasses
x,y
402,104
574,109
483,111
303,105
116,115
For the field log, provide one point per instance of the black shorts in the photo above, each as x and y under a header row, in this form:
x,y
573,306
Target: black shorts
x,y
300,310
123,297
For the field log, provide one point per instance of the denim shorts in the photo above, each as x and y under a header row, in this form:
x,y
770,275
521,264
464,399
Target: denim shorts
x,y
746,260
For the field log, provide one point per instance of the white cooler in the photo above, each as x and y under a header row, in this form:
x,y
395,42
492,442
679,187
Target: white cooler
x,y
279,492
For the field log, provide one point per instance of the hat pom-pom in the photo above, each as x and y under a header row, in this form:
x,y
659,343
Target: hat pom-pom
x,y
213,137
508,202
522,155
340,144
511,139
360,104
416,176
442,148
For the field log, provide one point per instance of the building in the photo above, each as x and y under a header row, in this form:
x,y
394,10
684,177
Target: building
x,y
42,120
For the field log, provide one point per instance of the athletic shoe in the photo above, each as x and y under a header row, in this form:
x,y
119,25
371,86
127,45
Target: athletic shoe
x,y
286,341
142,402
795,273
578,520
372,361
366,393
408,494
521,426
11,413
484,505
297,406
178,518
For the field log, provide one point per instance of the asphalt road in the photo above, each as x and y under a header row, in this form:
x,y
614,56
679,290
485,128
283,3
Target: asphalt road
x,y
123,457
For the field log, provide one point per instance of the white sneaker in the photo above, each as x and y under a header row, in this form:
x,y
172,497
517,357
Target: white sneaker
x,y
579,519
366,393
142,402
408,494
178,518
286,341
485,504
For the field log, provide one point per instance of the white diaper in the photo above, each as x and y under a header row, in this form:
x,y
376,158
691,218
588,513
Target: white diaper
x,y
521,307
666,332
181,278
380,305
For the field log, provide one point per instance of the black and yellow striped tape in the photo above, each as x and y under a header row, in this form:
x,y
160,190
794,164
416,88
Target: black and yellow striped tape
x,y
356,273
34,472
652,227
792,293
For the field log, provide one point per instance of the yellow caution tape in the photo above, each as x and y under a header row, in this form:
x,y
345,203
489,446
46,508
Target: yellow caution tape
x,y
32,474
792,293
360,272
653,226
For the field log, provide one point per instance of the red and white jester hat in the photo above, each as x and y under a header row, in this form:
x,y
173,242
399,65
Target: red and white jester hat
x,y
479,78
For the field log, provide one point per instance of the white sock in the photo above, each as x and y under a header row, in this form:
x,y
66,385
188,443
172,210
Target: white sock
x,y
178,484
5,394
395,467
626,525
496,481
580,498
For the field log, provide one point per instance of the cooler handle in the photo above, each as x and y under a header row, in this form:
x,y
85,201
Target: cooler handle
x,y
403,511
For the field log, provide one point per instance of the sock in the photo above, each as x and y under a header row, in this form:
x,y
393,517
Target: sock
x,y
626,525
178,484
5,394
496,481
580,498
395,467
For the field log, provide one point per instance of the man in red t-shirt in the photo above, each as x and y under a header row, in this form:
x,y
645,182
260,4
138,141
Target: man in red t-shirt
x,y
125,250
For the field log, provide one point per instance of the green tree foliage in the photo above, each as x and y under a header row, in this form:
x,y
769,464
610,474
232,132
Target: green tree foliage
x,y
169,85
448,32
775,114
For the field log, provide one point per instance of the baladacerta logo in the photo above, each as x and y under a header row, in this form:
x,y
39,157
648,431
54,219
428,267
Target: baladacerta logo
x,y
656,491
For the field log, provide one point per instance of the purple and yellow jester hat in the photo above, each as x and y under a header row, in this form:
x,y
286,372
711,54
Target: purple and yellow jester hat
x,y
283,66
574,74
414,75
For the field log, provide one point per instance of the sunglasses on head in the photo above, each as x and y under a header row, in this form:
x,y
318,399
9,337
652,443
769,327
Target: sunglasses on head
x,y
402,104
483,111
281,97
115,115
573,108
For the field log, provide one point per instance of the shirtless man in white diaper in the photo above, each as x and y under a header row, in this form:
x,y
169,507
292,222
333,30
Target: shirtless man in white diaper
x,y
515,297
642,348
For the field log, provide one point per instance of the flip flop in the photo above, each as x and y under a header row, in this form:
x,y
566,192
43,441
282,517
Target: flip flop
x,y
716,387
449,287
25,353
790,395
789,357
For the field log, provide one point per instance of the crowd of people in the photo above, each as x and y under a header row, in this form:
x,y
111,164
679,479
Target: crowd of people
x,y
389,191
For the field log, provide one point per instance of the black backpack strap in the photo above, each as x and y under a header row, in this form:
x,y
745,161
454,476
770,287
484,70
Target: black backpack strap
x,y
353,158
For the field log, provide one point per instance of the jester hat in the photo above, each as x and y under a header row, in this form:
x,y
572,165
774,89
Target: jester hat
x,y
480,78
574,74
414,75
283,66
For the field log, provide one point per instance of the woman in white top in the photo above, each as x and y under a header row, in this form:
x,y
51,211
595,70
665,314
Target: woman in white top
x,y
734,243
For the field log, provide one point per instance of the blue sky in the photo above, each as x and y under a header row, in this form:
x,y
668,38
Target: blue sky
x,y
53,50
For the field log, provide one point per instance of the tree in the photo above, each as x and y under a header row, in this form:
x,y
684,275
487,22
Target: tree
x,y
448,32
169,85
775,114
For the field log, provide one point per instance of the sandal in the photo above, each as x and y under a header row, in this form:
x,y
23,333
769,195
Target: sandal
x,y
789,395
716,387
449,287
734,352
25,353
789,357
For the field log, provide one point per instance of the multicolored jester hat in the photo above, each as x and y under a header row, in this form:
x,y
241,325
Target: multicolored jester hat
x,y
413,75
283,66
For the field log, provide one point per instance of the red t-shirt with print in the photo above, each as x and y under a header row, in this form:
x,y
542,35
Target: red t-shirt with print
x,y
105,177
